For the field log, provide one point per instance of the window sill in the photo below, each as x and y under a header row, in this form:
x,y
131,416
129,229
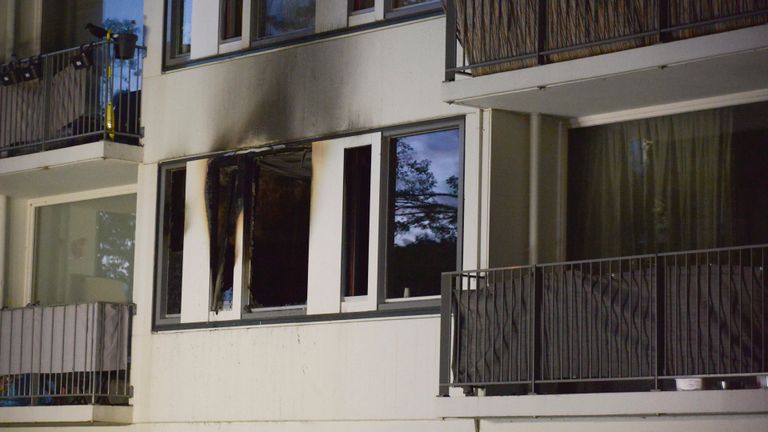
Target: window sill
x,y
92,415
250,320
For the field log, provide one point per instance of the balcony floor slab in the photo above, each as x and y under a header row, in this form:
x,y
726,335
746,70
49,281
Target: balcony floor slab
x,y
94,165
64,415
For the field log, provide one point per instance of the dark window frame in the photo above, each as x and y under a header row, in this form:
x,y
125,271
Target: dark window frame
x,y
161,249
351,11
257,27
386,209
248,313
428,6
346,210
222,10
171,35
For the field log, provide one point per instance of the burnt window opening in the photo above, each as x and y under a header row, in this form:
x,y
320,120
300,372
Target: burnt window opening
x,y
276,229
173,241
224,204
356,222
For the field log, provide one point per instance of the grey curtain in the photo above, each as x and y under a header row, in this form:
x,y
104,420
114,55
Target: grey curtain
x,y
654,185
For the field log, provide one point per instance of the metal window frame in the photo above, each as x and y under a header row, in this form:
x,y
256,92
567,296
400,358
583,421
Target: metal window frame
x,y
30,294
275,311
386,208
257,27
222,39
160,318
171,35
427,6
351,11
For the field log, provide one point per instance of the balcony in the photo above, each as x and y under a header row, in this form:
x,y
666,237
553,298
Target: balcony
x,y
65,364
70,116
664,322
583,58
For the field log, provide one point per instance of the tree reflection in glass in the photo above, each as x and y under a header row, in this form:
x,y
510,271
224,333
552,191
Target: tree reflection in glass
x,y
424,212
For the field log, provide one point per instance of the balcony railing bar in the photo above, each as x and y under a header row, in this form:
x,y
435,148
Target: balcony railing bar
x,y
452,68
638,318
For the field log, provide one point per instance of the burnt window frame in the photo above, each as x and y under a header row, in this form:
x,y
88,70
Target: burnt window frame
x,y
161,318
247,312
386,209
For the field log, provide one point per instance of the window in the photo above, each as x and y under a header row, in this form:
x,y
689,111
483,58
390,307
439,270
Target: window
x,y
357,201
406,7
422,210
173,179
273,18
83,251
361,5
179,36
683,182
277,230
231,24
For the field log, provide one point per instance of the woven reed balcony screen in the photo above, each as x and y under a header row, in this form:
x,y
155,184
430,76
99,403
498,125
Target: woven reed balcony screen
x,y
490,30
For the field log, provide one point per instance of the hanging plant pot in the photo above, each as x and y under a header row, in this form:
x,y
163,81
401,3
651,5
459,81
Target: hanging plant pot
x,y
125,46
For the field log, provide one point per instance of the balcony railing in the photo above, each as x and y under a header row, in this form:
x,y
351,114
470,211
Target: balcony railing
x,y
634,323
65,355
490,36
70,97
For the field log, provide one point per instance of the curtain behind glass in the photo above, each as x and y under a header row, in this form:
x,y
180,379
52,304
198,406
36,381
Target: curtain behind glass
x,y
653,185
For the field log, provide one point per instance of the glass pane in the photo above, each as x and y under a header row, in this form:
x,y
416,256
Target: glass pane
x,y
674,183
84,251
357,5
278,224
424,212
231,19
280,17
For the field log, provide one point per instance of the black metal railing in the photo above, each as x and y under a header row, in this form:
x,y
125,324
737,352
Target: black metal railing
x,y
66,355
627,323
71,97
489,36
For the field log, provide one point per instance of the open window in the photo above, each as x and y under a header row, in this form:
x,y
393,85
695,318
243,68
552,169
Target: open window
x,y
276,230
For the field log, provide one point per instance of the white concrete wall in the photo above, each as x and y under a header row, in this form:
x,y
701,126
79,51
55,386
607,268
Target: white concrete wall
x,y
357,375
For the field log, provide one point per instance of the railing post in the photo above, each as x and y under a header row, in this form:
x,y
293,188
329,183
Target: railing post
x,y
46,78
658,342
541,31
534,345
445,333
450,40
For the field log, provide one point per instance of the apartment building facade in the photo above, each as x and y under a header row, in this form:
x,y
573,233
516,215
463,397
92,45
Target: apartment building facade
x,y
383,215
